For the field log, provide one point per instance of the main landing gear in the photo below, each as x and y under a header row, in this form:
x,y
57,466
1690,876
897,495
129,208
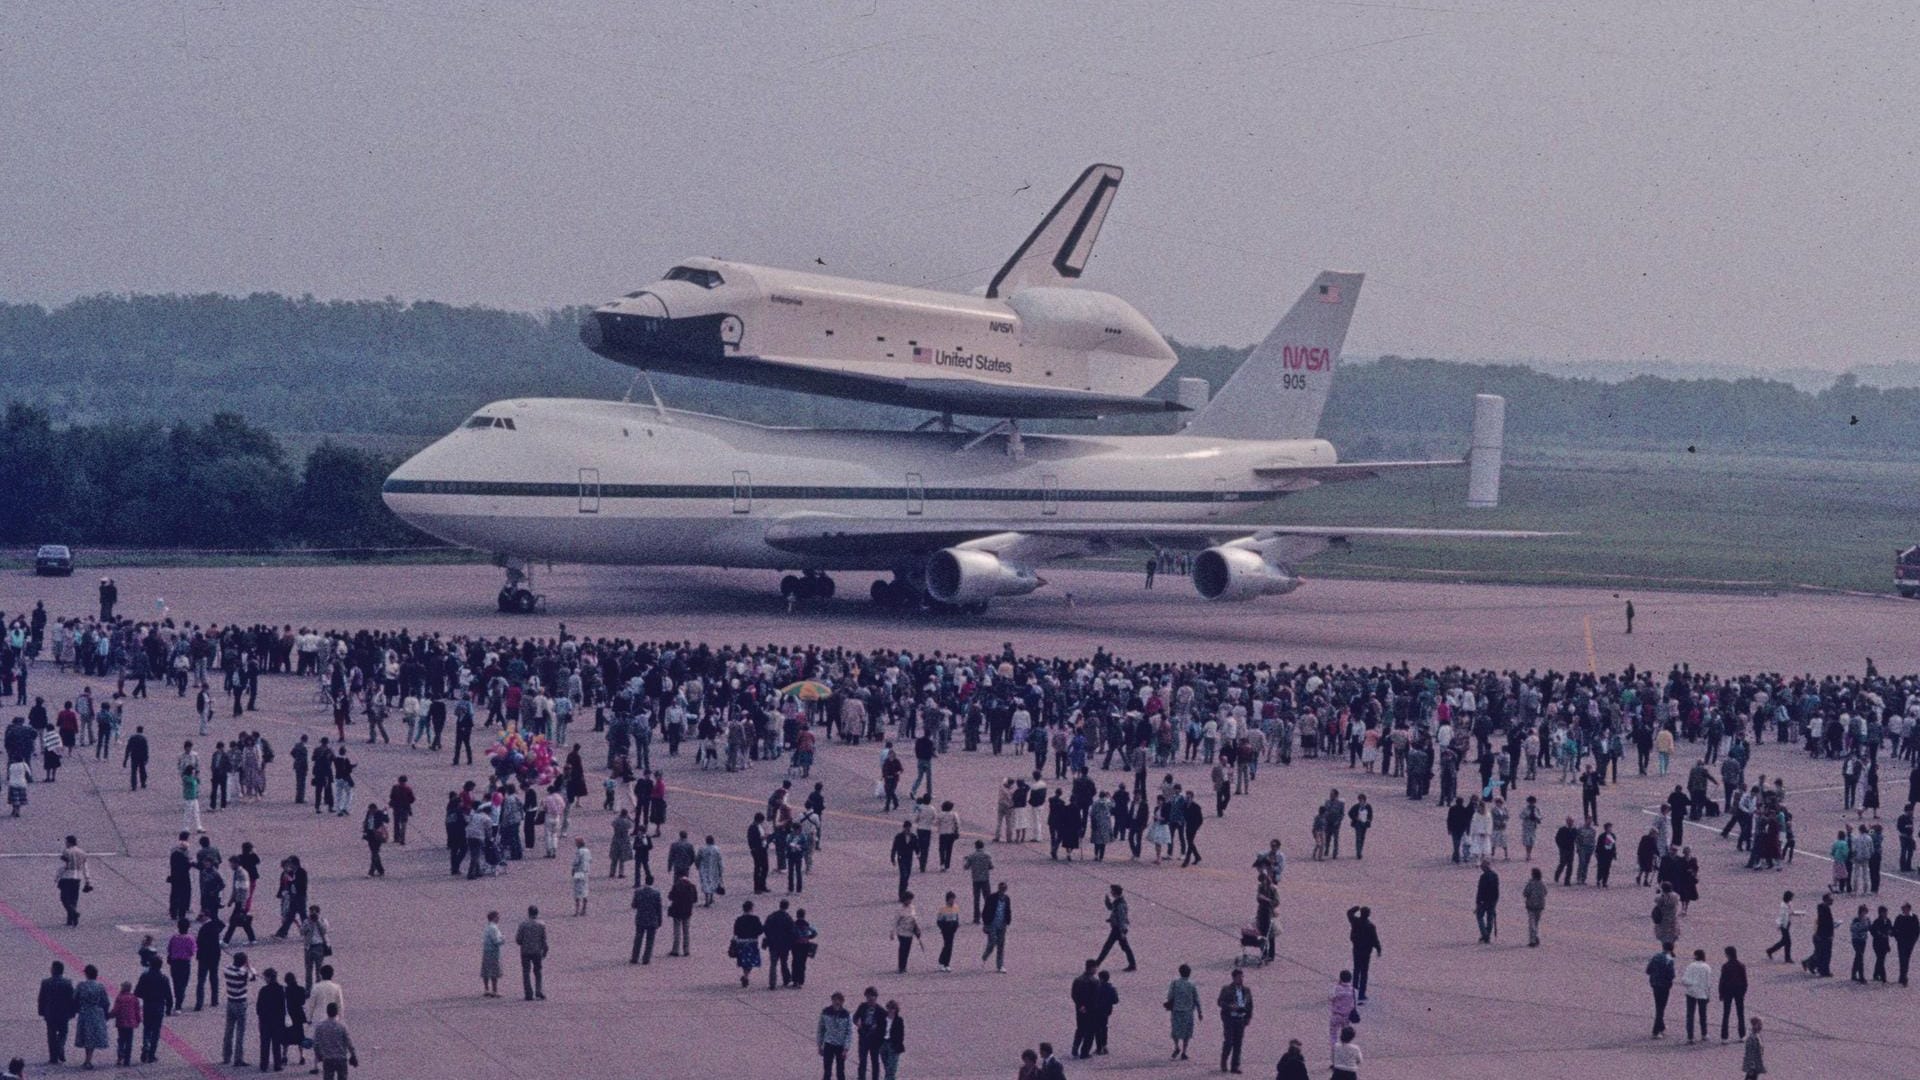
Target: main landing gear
x,y
894,595
901,594
517,596
811,585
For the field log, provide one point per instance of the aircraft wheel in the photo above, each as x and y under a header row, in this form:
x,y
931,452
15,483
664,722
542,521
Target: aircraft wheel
x,y
506,602
524,601
823,587
790,588
979,608
894,595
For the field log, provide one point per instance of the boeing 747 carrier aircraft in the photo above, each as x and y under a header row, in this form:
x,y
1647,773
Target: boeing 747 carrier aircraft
x,y
955,519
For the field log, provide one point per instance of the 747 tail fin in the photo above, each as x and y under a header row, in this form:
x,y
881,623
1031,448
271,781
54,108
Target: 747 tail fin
x,y
1281,390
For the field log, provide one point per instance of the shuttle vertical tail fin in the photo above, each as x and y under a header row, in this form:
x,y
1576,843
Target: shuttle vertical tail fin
x,y
1281,390
1057,251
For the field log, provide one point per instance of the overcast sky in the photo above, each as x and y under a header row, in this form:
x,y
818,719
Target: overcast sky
x,y
1556,180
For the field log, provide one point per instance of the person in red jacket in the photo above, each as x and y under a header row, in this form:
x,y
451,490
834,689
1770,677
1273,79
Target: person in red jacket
x,y
126,1018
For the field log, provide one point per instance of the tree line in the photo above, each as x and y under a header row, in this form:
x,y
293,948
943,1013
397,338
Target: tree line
x,y
220,484
416,369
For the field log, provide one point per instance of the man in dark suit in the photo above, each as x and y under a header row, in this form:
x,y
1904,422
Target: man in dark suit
x,y
995,920
1050,1067
134,757
1236,1012
1084,992
757,848
56,1009
905,847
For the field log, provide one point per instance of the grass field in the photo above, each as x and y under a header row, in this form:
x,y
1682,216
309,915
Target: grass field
x,y
1688,520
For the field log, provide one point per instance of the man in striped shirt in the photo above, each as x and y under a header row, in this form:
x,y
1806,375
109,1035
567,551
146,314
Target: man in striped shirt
x,y
235,978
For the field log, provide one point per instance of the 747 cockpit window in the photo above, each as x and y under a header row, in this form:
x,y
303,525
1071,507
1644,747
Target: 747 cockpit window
x,y
706,279
492,422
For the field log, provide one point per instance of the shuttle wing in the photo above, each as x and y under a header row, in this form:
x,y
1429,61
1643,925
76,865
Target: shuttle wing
x,y
1039,541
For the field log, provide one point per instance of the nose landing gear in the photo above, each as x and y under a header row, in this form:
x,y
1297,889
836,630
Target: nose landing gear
x,y
517,596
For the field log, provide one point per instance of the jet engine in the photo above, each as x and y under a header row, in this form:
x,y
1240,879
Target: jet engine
x,y
1230,573
960,576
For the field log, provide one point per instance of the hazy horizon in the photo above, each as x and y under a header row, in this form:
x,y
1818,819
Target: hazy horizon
x,y
1616,184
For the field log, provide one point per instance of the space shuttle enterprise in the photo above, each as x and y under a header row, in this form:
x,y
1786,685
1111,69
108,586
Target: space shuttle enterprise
x,y
1031,346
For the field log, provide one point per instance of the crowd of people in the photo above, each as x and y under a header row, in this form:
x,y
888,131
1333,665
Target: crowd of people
x,y
1479,737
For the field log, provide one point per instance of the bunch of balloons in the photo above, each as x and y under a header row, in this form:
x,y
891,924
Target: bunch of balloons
x,y
529,760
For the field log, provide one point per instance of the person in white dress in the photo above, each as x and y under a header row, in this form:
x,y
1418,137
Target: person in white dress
x,y
1480,832
582,870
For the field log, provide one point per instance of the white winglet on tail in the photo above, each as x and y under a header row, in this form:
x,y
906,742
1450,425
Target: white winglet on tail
x,y
1483,461
1281,390
1057,251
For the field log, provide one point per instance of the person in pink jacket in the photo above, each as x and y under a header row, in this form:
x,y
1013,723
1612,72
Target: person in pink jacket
x,y
1343,1008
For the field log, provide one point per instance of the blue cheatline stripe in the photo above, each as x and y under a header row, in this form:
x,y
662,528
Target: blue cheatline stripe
x,y
525,489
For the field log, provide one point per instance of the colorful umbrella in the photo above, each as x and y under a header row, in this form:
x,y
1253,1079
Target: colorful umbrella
x,y
808,690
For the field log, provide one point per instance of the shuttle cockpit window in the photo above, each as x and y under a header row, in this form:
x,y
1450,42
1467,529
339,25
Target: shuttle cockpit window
x,y
706,279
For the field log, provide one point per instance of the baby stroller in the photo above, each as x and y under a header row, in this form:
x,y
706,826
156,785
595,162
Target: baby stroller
x,y
496,864
1254,947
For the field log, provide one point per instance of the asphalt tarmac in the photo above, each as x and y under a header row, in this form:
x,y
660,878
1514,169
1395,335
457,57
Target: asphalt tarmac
x,y
408,945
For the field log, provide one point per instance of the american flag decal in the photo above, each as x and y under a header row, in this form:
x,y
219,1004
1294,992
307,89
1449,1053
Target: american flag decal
x,y
1329,294
922,356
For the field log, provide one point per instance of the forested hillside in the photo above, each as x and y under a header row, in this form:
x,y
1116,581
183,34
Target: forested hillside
x,y
387,367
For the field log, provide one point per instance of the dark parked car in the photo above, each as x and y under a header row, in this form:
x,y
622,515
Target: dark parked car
x,y
53,560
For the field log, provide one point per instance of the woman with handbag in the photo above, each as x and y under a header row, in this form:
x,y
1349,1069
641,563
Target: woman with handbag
x,y
294,1035
745,946
1183,1002
1343,1009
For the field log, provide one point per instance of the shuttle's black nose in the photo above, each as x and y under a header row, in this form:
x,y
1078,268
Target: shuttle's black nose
x,y
622,323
